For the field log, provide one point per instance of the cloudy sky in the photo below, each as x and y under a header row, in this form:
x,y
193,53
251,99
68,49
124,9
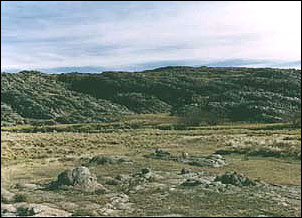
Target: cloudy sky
x,y
129,34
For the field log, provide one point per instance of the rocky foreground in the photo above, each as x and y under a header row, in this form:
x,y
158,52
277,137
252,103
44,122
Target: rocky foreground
x,y
121,192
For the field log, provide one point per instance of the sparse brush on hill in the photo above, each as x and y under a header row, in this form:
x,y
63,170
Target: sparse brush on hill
x,y
235,94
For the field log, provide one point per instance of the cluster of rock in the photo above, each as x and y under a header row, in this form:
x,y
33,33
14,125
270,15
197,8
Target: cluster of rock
x,y
226,183
34,210
214,160
196,178
118,204
145,174
78,178
106,160
10,207
233,178
160,154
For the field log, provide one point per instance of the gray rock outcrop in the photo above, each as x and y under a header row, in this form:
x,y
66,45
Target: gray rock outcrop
x,y
234,179
79,178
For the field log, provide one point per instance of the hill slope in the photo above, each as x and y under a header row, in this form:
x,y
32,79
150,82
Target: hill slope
x,y
241,94
32,97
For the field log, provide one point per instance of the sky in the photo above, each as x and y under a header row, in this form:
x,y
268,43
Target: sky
x,y
137,35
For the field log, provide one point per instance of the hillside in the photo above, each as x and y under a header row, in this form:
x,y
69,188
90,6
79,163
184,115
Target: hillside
x,y
32,97
240,94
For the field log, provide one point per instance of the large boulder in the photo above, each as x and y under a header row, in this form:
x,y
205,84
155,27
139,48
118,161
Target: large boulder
x,y
78,178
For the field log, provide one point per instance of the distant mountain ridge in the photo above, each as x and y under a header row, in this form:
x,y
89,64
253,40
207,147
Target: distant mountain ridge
x,y
242,94
157,64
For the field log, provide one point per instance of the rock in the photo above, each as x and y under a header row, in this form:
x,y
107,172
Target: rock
x,y
185,171
161,153
118,204
35,210
8,207
7,196
122,178
68,205
105,160
191,182
27,186
79,178
209,161
184,155
145,173
8,210
234,179
123,206
101,160
216,156
89,206
39,210
146,170
8,214
107,212
214,160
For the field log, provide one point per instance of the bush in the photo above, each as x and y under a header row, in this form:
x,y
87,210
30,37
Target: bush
x,y
81,213
21,198
197,114
25,211
295,119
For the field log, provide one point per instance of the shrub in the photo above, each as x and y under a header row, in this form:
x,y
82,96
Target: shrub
x,y
21,198
25,211
295,119
199,114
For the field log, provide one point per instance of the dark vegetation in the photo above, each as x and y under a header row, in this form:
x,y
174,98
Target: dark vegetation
x,y
198,95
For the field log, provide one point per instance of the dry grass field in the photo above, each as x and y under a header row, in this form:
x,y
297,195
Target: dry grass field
x,y
269,154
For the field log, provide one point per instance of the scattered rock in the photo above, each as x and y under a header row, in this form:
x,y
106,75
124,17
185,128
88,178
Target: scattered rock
x,y
119,203
35,210
105,160
234,179
40,210
209,161
191,182
214,160
102,160
159,153
78,178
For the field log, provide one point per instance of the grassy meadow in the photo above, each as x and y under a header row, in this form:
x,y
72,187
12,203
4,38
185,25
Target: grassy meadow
x,y
270,153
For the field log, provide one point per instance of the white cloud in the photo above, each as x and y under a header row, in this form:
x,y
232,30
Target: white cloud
x,y
146,32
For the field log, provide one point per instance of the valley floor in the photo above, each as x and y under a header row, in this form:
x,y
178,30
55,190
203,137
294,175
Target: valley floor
x,y
268,154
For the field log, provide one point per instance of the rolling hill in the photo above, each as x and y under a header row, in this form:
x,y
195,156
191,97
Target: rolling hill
x,y
240,94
